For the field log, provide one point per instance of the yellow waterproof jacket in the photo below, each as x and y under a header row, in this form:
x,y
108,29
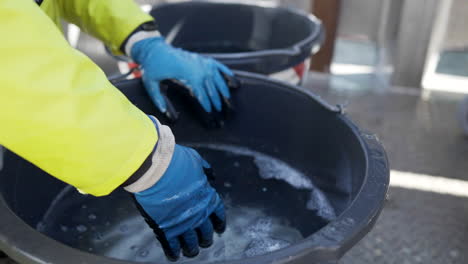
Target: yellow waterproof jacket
x,y
57,109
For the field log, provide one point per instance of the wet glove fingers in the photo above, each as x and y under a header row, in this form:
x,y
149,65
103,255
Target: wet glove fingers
x,y
197,156
189,243
210,175
221,84
218,219
228,76
159,98
209,97
202,97
170,247
232,82
207,169
154,91
208,107
210,119
213,94
205,234
223,68
228,108
171,112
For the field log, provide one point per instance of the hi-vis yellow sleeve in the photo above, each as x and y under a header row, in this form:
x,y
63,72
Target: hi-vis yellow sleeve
x,y
58,110
111,21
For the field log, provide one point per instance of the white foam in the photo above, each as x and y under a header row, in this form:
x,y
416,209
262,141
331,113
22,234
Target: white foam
x,y
250,233
92,217
319,203
269,167
265,245
273,168
81,228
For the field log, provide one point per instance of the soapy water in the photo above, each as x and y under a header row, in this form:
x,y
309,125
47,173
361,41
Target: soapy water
x,y
273,168
257,221
269,167
126,236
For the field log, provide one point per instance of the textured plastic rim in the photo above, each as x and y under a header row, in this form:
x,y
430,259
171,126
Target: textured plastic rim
x,y
293,50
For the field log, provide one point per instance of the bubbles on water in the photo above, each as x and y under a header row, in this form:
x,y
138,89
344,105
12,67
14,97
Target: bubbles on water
x,y
123,228
219,251
98,236
143,253
320,204
92,217
272,168
261,226
269,167
251,232
40,226
81,228
121,232
348,221
265,245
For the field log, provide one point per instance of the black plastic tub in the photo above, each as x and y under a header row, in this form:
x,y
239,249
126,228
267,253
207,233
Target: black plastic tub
x,y
269,40
260,38
286,122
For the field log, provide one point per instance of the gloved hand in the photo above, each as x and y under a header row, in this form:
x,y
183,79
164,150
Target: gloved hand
x,y
202,76
182,208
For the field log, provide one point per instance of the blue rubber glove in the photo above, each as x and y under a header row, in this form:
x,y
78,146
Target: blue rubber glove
x,y
201,75
182,208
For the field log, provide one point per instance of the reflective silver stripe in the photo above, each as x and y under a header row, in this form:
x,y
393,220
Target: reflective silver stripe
x,y
140,35
160,161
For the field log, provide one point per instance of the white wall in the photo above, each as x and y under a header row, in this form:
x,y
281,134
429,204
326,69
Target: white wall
x,y
456,36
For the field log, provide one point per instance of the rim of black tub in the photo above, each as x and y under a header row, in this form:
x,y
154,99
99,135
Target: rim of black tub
x,y
317,35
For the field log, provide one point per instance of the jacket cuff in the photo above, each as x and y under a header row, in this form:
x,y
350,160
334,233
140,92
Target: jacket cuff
x,y
160,160
146,30
137,37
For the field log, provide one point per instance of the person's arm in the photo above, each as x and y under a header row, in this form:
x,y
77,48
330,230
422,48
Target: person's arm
x,y
59,111
124,27
111,21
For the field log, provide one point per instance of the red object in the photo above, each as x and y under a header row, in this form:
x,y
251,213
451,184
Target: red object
x,y
137,73
299,69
